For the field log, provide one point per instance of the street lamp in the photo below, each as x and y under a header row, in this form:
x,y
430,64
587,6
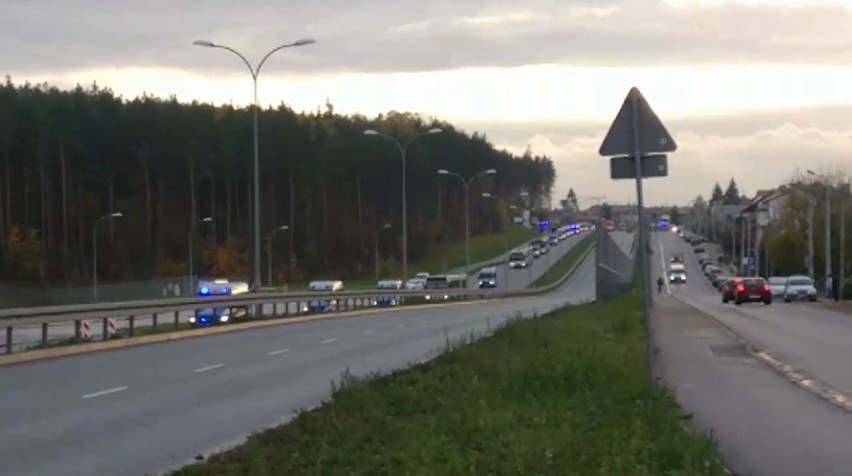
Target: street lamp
x,y
505,237
269,251
467,184
386,226
191,252
95,251
255,71
827,222
402,150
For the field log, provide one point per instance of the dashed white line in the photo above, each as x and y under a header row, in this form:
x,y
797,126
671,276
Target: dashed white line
x,y
209,367
279,351
329,341
105,392
366,333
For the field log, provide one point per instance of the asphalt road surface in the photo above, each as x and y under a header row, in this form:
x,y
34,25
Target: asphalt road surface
x,y
512,280
765,425
146,409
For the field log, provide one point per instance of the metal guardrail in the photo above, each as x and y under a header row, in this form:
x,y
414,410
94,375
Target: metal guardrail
x,y
351,300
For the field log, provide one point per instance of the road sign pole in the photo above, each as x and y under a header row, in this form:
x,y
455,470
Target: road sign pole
x,y
639,135
643,233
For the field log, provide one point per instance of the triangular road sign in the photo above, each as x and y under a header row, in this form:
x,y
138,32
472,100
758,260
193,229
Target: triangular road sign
x,y
653,136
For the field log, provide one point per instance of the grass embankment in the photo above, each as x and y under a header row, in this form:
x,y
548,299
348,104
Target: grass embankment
x,y
568,260
449,256
563,395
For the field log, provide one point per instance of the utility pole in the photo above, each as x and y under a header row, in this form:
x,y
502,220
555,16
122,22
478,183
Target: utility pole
x,y
810,212
827,230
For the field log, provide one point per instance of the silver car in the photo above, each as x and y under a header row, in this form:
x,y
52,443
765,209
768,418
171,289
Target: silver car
x,y
800,288
777,284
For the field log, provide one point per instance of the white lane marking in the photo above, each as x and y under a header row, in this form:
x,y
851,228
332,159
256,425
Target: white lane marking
x,y
279,351
366,333
209,367
105,392
329,341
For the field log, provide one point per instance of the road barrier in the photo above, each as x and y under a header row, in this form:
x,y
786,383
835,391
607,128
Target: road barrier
x,y
81,315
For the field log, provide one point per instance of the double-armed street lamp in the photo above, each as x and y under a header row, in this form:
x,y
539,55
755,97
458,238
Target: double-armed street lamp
x,y
95,250
255,71
466,183
269,252
403,149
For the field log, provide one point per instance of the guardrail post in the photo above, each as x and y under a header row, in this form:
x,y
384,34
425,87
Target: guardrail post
x,y
77,333
275,308
9,339
131,325
177,319
44,333
286,308
105,327
154,322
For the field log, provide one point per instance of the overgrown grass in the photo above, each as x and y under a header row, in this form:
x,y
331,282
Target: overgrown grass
x,y
566,394
565,263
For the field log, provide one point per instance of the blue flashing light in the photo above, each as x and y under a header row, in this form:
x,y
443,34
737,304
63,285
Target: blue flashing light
x,y
204,291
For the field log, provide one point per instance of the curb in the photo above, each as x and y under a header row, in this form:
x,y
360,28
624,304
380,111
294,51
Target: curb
x,y
796,376
76,349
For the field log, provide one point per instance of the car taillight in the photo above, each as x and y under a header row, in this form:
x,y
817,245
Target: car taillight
x,y
740,288
766,287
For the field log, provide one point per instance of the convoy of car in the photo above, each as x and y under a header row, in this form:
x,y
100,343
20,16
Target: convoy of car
x,y
745,289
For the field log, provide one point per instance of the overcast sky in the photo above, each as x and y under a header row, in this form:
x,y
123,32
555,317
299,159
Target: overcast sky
x,y
752,89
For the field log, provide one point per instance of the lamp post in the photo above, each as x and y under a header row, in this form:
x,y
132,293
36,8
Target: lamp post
x,y
827,221
403,149
95,251
191,251
467,184
386,226
255,71
269,251
505,238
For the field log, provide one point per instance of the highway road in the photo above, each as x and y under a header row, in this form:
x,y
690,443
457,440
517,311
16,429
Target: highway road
x,y
519,278
513,280
145,409
765,425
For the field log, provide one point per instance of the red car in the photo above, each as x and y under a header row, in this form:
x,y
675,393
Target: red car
x,y
753,290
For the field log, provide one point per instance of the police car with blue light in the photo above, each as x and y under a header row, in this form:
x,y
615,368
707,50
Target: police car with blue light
x,y
219,315
323,305
488,277
388,284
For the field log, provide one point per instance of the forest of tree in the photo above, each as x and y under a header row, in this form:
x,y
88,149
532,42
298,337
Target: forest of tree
x,y
70,157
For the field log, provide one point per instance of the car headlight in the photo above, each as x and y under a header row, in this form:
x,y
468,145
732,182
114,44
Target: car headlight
x,y
192,319
224,318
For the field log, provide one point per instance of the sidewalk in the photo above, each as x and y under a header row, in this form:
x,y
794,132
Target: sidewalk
x,y
764,424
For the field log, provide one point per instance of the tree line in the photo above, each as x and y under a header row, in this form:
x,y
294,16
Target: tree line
x,y
179,172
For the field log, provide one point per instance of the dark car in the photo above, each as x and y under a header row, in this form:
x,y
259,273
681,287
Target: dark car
x,y
729,289
753,290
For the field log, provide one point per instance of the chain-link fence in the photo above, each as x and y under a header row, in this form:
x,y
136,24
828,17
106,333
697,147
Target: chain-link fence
x,y
615,263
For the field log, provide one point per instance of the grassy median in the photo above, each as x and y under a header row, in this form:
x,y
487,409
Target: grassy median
x,y
565,263
566,394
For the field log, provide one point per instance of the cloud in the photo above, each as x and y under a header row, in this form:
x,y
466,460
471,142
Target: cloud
x,y
757,152
48,36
